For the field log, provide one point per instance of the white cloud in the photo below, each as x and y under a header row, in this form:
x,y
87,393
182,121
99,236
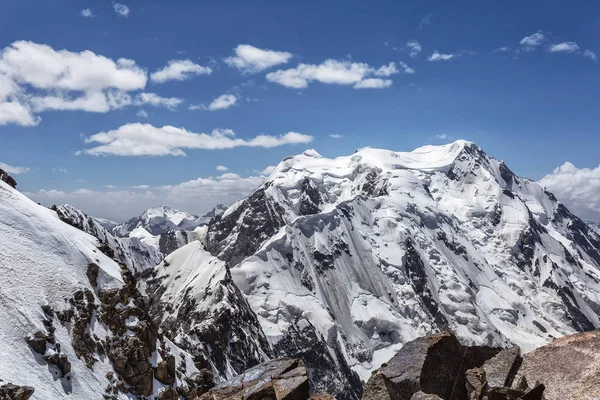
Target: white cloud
x,y
268,170
121,9
437,56
138,139
338,72
386,70
179,70
405,68
336,136
228,175
250,59
373,83
13,170
564,47
442,136
414,47
35,78
157,101
591,55
139,187
220,103
142,114
110,186
87,13
504,49
577,188
63,170
222,168
425,21
533,40
196,196
13,112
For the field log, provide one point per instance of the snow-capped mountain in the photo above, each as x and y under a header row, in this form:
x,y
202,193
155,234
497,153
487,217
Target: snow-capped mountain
x,y
74,324
131,251
360,254
155,221
165,228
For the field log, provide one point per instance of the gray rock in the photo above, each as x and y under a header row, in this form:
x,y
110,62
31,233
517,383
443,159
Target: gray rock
x,y
279,379
569,367
38,342
434,364
15,392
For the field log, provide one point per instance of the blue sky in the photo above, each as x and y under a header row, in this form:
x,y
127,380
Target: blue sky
x,y
519,80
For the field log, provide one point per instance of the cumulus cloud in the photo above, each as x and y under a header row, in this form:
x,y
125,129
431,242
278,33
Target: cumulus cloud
x,y
373,83
36,78
121,9
220,103
147,140
414,48
110,186
405,68
533,40
340,72
13,170
196,196
336,136
250,59
222,168
442,136
591,55
142,114
577,188
139,187
437,56
386,70
87,13
157,101
564,47
179,70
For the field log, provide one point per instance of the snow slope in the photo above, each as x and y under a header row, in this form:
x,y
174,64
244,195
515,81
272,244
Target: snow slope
x,y
43,262
374,249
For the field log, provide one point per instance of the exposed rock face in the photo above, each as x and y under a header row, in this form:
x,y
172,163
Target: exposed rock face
x,y
15,392
196,304
497,372
165,370
434,364
5,177
279,379
569,367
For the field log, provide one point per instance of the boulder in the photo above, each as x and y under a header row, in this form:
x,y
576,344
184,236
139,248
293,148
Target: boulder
x,y
279,379
497,372
5,177
569,367
425,396
15,392
165,370
38,342
168,394
435,364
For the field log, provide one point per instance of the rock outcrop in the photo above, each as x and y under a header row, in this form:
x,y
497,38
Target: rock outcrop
x,y
439,367
5,177
15,392
279,379
569,367
434,364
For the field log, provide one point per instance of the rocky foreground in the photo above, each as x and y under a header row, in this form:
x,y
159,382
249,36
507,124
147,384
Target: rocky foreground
x,y
439,367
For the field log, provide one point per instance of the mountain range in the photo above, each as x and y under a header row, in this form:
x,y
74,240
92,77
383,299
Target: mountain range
x,y
338,262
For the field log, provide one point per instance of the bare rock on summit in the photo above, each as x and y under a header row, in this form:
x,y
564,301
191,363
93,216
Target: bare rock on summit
x,y
497,372
279,379
5,177
569,367
435,364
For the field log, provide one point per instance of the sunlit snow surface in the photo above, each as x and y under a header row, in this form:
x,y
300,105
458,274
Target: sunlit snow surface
x,y
466,216
43,261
